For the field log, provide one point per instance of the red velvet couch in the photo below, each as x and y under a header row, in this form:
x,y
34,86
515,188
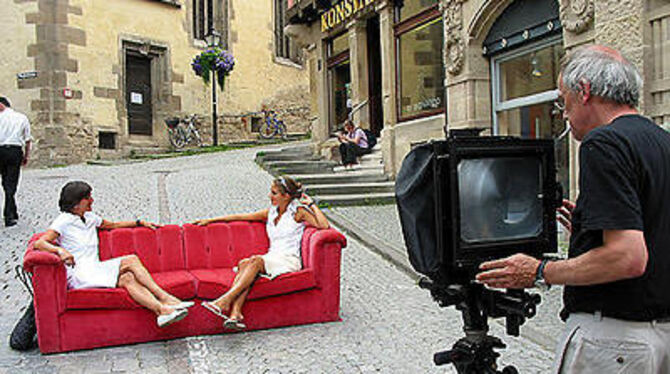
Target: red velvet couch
x,y
192,263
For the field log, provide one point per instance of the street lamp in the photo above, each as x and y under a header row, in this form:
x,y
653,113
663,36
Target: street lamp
x,y
213,39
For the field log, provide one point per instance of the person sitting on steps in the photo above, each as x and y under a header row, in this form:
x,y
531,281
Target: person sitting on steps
x,y
353,143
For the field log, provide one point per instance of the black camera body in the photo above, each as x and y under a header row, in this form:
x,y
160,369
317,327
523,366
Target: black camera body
x,y
469,199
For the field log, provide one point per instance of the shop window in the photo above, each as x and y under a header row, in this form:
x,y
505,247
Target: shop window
x,y
284,47
338,45
339,80
411,8
419,39
524,91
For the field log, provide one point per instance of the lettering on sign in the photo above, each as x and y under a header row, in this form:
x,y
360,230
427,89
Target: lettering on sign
x,y
342,11
430,103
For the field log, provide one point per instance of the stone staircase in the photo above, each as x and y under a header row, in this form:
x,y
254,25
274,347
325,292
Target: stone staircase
x,y
365,185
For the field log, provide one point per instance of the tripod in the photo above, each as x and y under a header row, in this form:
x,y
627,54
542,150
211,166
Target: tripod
x,y
474,353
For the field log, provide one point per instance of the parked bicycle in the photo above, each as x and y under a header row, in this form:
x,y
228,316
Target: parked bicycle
x,y
182,131
272,126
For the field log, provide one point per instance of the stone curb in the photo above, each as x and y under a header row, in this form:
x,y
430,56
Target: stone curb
x,y
395,254
390,252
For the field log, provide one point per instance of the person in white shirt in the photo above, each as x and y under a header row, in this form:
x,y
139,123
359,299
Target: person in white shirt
x,y
14,136
74,236
285,223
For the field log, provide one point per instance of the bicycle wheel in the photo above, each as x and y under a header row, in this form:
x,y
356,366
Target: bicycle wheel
x,y
267,131
281,129
197,138
177,138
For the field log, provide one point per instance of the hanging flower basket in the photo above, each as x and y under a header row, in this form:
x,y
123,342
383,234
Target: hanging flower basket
x,y
213,59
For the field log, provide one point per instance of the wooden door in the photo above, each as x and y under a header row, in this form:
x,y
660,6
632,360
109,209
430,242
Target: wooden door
x,y
138,94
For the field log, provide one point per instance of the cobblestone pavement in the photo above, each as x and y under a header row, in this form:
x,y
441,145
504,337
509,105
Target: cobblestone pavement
x,y
383,224
388,324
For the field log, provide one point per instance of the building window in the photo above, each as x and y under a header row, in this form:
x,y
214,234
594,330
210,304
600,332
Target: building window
x,y
339,80
106,140
203,18
524,89
284,47
419,42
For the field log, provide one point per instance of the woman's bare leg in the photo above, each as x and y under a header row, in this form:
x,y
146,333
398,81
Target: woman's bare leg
x,y
142,295
248,271
236,309
133,264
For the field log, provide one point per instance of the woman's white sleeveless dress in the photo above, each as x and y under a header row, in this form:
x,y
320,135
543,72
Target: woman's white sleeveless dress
x,y
285,241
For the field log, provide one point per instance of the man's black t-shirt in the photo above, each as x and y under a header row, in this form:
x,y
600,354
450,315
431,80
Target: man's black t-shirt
x,y
624,181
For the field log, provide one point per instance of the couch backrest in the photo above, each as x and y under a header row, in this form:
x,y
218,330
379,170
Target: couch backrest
x,y
160,250
223,244
306,239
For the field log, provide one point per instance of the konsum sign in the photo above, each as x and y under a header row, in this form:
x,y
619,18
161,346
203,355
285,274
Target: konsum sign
x,y
342,11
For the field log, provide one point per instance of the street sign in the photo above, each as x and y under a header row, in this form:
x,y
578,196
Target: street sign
x,y
26,75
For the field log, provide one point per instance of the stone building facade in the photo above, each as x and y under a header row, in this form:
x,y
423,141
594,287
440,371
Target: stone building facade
x,y
498,63
97,78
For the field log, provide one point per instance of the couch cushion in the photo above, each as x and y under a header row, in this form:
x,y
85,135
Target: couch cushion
x,y
285,283
100,298
159,250
223,245
178,283
212,283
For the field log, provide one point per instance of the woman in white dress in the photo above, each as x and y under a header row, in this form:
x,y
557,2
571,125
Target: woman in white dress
x,y
74,236
285,223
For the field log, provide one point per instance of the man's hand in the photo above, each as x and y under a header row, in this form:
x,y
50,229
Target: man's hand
x,y
565,214
517,271
66,256
24,161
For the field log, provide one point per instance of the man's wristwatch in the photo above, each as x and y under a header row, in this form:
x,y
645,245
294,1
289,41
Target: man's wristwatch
x,y
138,223
539,277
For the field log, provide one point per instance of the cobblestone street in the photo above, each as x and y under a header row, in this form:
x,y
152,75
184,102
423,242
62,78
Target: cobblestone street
x,y
388,324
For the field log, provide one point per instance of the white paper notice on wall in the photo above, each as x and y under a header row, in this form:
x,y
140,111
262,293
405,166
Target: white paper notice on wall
x,y
136,98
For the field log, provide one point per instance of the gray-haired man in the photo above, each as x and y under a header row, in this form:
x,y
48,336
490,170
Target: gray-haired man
x,y
14,135
616,277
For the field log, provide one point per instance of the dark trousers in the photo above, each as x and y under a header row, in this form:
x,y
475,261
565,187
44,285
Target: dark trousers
x,y
350,151
10,167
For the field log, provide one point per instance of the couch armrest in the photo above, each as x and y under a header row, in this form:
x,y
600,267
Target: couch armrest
x,y
50,287
325,248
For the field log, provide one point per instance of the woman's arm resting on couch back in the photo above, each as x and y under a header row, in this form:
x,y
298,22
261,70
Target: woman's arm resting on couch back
x,y
44,244
108,225
261,215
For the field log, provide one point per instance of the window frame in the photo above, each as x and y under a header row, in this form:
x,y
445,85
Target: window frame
x,y
333,61
403,27
538,98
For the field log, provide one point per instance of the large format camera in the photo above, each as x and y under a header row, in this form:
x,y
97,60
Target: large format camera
x,y
469,199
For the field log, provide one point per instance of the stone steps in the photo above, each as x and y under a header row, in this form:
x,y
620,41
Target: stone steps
x,y
350,188
328,183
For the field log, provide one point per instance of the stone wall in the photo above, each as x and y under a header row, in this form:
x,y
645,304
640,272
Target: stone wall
x,y
81,45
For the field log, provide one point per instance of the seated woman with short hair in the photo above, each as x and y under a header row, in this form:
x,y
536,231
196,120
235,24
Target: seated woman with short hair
x,y
75,235
286,219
